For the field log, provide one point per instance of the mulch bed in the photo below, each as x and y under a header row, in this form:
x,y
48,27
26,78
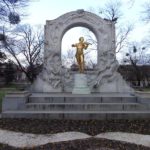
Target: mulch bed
x,y
91,127
89,144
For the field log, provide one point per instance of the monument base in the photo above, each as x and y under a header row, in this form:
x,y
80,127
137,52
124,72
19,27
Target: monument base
x,y
80,84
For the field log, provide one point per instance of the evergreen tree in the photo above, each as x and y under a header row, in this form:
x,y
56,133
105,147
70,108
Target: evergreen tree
x,y
9,72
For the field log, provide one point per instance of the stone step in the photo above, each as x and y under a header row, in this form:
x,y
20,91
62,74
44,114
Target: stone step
x,y
83,99
86,106
77,115
82,95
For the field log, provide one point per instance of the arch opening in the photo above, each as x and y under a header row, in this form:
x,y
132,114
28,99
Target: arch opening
x,y
71,36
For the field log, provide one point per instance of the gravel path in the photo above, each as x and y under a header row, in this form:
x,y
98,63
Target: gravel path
x,y
138,139
31,131
21,140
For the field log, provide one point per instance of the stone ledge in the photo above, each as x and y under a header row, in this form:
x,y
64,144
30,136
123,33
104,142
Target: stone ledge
x,y
17,94
104,94
78,115
142,94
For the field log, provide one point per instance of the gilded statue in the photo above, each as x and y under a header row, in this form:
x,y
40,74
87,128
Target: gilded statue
x,y
80,54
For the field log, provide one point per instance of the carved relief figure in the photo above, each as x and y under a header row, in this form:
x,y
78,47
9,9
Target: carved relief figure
x,y
107,69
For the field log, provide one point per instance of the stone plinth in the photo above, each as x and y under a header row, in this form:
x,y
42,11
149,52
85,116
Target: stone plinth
x,y
80,84
15,100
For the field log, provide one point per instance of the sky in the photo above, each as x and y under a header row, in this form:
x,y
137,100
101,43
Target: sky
x,y
41,10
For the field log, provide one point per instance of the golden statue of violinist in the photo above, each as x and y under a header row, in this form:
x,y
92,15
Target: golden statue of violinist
x,y
79,53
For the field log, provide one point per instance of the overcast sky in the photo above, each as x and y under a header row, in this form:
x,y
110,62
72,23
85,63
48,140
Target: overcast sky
x,y
41,10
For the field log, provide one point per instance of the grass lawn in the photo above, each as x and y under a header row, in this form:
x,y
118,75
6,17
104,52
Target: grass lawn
x,y
147,89
2,94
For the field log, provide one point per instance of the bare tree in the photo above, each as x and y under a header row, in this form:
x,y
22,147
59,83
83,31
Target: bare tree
x,y
122,37
146,18
130,3
68,58
25,50
2,57
146,12
10,14
112,11
136,57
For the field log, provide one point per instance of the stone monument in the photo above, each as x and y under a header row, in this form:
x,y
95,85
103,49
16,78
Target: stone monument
x,y
54,78
58,93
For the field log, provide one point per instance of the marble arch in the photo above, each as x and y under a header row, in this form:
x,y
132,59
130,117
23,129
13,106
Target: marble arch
x,y
103,30
54,78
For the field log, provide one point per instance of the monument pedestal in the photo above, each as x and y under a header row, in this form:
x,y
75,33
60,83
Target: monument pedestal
x,y
80,84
